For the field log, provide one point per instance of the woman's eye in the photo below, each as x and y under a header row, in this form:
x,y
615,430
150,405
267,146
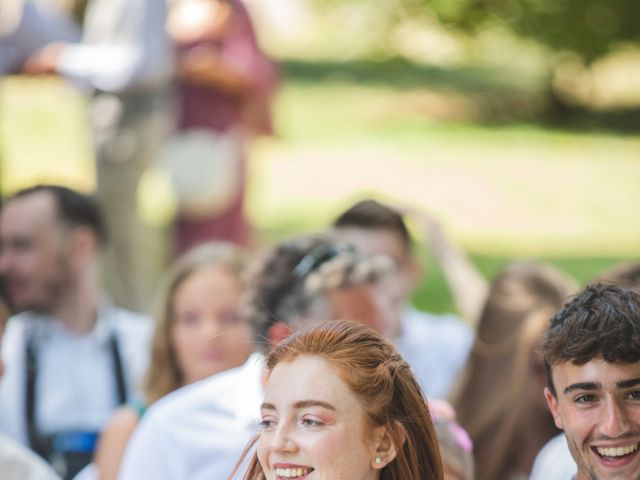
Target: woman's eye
x,y
188,318
229,318
267,424
311,422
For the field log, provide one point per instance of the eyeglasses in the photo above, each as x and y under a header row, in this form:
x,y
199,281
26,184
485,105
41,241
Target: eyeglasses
x,y
319,256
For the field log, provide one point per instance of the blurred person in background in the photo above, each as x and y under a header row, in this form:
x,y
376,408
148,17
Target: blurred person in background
x,y
436,346
456,449
199,332
554,462
499,398
225,89
125,63
199,432
71,358
28,25
16,461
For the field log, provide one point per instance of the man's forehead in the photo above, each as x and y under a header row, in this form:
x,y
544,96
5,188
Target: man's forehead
x,y
34,211
374,241
597,371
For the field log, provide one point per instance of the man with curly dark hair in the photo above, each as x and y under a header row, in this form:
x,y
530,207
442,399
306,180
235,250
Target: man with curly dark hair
x,y
592,358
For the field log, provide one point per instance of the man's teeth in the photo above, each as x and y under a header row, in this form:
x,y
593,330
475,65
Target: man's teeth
x,y
292,472
616,451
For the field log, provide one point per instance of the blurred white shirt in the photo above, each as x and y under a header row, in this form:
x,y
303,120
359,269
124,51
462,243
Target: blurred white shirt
x,y
199,431
75,382
554,462
436,347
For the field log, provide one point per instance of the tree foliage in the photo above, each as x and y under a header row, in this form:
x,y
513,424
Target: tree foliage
x,y
590,28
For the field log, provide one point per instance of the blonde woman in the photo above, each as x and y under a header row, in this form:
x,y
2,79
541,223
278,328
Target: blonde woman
x,y
199,333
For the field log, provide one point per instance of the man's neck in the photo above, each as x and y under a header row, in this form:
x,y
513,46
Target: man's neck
x,y
78,310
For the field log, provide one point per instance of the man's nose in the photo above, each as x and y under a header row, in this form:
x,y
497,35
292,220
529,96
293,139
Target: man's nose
x,y
615,419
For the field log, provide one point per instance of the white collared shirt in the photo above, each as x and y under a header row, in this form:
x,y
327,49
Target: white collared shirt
x,y
76,382
554,461
199,431
20,463
436,347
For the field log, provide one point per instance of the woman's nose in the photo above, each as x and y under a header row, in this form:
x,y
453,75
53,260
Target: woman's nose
x,y
283,440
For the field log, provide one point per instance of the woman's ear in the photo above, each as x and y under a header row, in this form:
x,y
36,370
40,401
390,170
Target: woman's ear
x,y
386,440
278,332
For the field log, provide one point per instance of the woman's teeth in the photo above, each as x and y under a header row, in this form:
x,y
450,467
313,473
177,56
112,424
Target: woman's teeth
x,y
292,472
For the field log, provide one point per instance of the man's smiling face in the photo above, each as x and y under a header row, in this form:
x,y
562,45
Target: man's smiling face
x,y
598,407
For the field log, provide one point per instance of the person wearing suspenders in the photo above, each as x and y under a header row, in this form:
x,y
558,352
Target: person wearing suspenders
x,y
71,358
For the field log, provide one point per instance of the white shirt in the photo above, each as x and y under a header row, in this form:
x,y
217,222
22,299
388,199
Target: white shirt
x,y
75,383
554,461
125,47
20,463
436,347
199,431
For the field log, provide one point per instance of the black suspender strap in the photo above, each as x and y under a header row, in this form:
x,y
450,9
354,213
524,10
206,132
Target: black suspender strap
x,y
121,385
31,374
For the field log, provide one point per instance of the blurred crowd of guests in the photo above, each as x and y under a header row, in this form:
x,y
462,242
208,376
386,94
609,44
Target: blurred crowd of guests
x,y
93,388
184,85
98,391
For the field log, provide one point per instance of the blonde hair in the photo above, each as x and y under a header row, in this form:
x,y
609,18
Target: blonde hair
x,y
164,374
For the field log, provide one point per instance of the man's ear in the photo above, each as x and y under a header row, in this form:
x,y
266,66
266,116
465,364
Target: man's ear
x,y
383,447
552,403
83,244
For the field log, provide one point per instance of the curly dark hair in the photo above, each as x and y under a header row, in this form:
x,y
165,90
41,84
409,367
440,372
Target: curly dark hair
x,y
291,281
602,321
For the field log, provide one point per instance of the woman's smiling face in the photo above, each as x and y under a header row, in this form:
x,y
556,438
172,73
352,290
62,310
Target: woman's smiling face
x,y
313,426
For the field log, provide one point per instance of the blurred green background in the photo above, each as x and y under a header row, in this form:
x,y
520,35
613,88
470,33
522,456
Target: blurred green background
x,y
519,135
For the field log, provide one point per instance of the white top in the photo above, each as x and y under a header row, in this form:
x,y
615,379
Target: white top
x,y
125,47
436,347
75,383
20,463
199,431
554,461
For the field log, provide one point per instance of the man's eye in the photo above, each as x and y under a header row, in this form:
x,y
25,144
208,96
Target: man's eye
x,y
586,398
635,395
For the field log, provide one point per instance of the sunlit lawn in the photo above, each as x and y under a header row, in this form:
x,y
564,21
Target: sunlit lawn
x,y
502,192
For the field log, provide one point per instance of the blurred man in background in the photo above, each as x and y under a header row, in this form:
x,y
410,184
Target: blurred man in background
x,y
436,346
70,358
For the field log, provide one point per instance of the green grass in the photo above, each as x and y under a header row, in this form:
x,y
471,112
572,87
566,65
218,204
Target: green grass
x,y
502,191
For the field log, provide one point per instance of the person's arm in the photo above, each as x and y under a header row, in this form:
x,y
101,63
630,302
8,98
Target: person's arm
x,y
134,55
204,66
467,286
113,441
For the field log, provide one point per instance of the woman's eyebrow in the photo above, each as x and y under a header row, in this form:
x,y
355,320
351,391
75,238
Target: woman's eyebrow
x,y
314,403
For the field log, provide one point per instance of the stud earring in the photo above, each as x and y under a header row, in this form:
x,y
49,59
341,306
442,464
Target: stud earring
x,y
378,460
